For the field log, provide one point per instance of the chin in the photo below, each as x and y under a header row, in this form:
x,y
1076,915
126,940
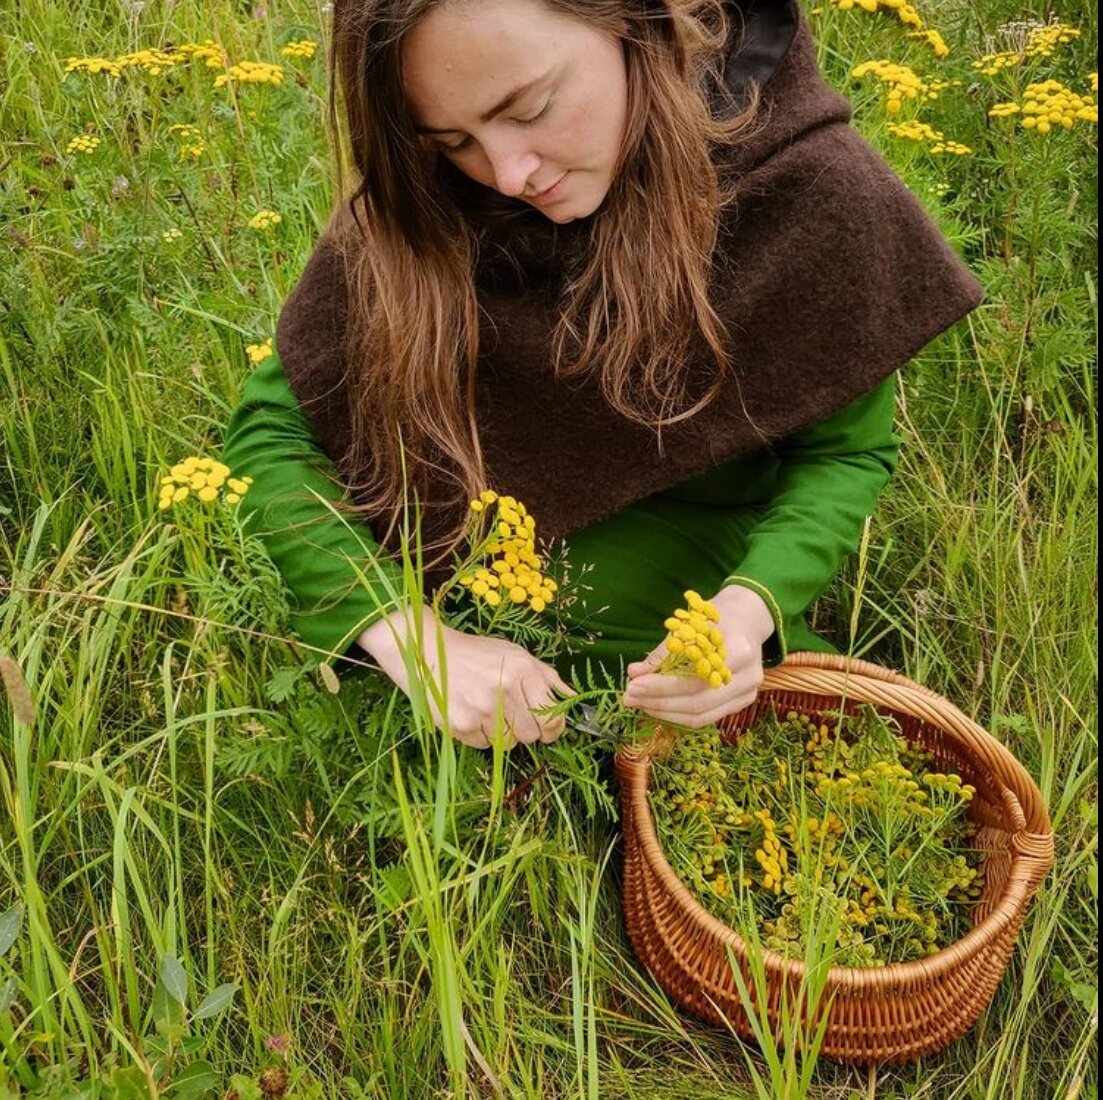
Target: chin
x,y
574,210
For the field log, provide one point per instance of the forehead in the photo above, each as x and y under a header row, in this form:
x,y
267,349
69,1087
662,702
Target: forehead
x,y
464,56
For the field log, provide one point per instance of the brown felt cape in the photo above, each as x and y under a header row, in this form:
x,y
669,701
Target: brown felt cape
x,y
830,277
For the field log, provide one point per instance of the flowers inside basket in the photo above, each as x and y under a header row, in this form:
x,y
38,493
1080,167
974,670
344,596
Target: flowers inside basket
x,y
929,835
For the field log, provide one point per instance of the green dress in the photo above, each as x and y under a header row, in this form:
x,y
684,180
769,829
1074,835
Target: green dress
x,y
780,523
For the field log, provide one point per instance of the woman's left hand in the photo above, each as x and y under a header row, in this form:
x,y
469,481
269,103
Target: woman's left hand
x,y
745,622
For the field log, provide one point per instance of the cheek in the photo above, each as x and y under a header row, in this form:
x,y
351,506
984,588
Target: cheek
x,y
584,137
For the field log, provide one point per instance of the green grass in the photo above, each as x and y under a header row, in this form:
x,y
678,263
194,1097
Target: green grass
x,y
188,792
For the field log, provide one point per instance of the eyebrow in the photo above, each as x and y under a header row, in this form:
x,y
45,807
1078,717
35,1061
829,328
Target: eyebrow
x,y
503,104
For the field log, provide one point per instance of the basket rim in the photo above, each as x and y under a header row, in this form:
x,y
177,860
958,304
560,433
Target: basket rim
x,y
634,767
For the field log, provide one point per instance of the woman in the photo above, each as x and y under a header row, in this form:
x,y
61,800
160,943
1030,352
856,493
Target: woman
x,y
622,259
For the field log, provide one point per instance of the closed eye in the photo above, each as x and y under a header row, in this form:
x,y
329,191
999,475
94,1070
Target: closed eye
x,y
539,115
460,146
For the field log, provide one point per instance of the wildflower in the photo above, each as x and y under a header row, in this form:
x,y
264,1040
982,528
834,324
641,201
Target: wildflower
x,y
934,40
154,62
515,566
209,52
954,147
203,476
92,65
305,47
173,234
694,644
83,143
914,131
259,352
190,143
264,219
1029,40
1046,104
1093,80
920,131
905,12
902,82
251,72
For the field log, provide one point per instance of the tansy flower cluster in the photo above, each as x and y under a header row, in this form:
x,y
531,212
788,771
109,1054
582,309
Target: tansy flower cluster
x,y
258,352
902,82
811,811
513,574
904,11
209,52
694,644
264,219
934,40
304,47
920,131
173,234
92,65
1048,104
204,477
771,856
251,72
1031,41
152,61
83,144
190,143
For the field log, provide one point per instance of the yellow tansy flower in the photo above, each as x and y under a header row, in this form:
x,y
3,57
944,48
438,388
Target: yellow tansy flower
x,y
264,220
259,352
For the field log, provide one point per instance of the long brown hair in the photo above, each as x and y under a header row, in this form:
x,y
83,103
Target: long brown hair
x,y
638,311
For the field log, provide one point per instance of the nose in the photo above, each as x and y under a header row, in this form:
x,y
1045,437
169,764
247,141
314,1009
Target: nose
x,y
513,165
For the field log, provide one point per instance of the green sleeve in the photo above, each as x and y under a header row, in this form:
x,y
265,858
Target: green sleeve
x,y
270,439
830,477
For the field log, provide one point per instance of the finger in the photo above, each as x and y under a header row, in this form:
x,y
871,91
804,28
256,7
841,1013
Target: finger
x,y
709,717
474,739
557,683
648,664
656,686
552,731
527,727
677,692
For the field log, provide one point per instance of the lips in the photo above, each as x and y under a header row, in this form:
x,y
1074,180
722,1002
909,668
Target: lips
x,y
543,196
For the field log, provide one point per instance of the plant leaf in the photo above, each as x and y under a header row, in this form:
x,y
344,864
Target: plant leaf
x,y
216,1001
7,994
10,924
175,978
196,1080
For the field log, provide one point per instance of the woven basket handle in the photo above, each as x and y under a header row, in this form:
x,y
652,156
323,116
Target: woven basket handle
x,y
885,686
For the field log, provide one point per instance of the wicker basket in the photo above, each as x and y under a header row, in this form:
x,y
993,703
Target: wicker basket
x,y
884,1014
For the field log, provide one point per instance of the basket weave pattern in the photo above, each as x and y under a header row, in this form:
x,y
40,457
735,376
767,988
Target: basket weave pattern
x,y
883,1014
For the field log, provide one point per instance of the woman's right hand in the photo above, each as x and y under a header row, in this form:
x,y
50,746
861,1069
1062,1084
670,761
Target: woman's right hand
x,y
486,676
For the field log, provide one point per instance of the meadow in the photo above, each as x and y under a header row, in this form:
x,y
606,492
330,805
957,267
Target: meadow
x,y
219,876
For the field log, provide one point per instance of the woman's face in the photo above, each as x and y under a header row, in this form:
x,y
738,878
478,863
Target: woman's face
x,y
523,99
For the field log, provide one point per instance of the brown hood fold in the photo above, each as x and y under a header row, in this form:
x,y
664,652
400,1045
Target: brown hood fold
x,y
829,277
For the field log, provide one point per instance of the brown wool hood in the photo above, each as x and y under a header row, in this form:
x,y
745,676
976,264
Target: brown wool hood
x,y
831,276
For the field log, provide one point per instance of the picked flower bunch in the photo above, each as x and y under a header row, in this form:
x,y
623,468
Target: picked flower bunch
x,y
807,810
514,570
501,583
694,644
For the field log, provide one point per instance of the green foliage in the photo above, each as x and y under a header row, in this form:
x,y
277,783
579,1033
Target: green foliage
x,y
191,788
806,807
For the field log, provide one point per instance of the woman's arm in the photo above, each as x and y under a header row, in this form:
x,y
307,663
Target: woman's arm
x,y
490,679
831,477
269,438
